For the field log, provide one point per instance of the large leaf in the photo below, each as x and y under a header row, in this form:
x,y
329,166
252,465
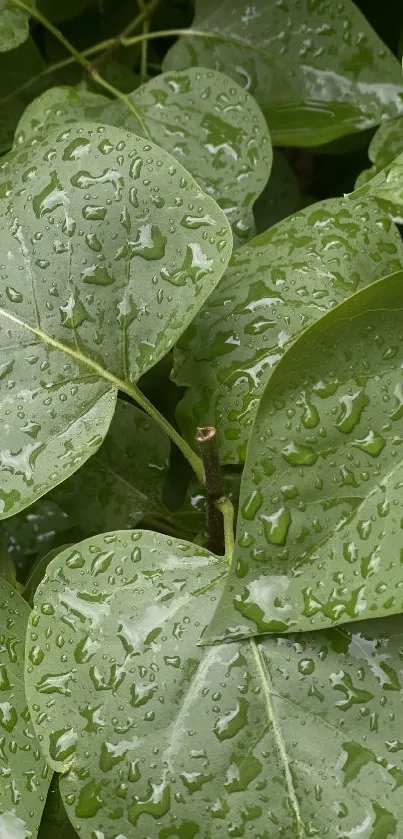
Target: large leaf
x,y
108,249
273,288
158,736
317,69
318,533
123,482
211,125
13,25
24,778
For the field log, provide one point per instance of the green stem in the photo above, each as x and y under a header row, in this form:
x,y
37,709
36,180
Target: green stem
x,y
226,508
169,33
144,44
83,62
192,458
123,98
116,42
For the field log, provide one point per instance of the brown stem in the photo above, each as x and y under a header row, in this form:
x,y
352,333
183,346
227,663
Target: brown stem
x,y
144,15
206,438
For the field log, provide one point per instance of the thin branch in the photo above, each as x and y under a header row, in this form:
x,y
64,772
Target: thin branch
x,y
226,508
116,42
206,438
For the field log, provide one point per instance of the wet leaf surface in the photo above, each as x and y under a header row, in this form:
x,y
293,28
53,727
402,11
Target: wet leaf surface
x,y
273,289
319,530
109,249
24,778
13,26
206,121
383,182
159,736
310,90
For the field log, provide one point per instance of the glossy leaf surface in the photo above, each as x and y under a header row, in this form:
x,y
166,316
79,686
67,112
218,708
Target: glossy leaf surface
x,y
318,534
386,185
310,90
196,739
109,248
24,778
206,121
274,288
386,144
13,25
123,481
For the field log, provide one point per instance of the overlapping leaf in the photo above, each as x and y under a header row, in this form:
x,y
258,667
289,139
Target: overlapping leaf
x,y
200,116
274,288
108,249
24,778
386,184
319,529
291,737
317,69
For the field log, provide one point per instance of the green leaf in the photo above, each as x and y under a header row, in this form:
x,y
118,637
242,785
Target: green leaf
x,y
123,482
24,776
311,91
55,821
208,123
109,249
21,77
318,534
385,186
158,736
274,288
386,144
14,28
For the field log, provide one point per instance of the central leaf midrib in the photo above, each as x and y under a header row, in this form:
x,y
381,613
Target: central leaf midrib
x,y
281,748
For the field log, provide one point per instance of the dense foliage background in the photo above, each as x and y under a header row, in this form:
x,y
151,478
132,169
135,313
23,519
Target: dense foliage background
x,y
201,208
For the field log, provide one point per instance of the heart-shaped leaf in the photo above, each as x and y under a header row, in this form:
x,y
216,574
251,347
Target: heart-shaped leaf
x,y
206,121
318,533
274,288
285,54
158,736
24,776
123,481
108,249
14,28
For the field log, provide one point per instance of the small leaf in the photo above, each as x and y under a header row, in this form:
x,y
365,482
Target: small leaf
x,y
156,734
273,289
285,54
24,776
206,121
14,28
386,185
123,482
318,534
109,274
